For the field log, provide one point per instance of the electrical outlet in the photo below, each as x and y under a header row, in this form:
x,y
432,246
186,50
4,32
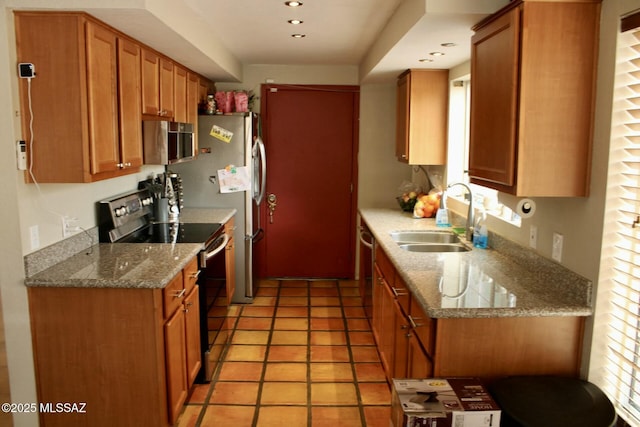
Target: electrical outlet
x,y
34,236
533,236
556,251
69,226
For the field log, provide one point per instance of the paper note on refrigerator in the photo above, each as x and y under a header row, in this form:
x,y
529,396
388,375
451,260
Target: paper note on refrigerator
x,y
234,179
221,133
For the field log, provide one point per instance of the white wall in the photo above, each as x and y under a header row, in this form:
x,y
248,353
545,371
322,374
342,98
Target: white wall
x,y
14,298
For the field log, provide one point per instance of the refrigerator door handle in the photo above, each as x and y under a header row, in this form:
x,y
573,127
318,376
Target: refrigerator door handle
x,y
262,158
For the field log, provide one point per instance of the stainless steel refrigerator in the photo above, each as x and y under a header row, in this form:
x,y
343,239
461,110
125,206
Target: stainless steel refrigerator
x,y
233,140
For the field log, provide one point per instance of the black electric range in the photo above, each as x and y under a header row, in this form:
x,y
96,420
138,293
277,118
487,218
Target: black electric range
x,y
174,232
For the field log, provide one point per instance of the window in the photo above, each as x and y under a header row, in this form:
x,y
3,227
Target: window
x,y
616,348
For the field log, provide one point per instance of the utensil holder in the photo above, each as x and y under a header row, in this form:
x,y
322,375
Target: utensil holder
x,y
161,210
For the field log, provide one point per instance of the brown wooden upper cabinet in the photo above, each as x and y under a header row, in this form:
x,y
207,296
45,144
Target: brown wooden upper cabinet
x,y
129,98
179,94
421,117
92,86
78,133
157,85
533,71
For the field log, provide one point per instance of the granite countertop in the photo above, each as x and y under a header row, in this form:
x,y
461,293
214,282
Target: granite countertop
x,y
72,263
508,281
122,265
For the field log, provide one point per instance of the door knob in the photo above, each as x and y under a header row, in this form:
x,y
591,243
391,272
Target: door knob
x,y
271,204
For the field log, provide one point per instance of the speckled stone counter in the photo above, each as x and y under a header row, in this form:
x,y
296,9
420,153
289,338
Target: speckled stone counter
x,y
121,265
66,263
508,281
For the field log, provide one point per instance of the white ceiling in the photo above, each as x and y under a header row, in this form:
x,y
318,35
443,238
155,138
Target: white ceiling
x,y
216,37
347,32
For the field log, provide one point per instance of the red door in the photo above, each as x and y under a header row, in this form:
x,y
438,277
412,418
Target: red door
x,y
311,140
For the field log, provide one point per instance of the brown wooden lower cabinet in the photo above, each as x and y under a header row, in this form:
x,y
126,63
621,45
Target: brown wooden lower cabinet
x,y
116,351
413,345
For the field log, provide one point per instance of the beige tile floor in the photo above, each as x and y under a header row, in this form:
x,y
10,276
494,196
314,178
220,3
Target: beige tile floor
x,y
301,355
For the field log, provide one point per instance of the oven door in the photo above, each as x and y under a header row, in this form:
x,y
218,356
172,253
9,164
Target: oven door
x,y
214,304
219,245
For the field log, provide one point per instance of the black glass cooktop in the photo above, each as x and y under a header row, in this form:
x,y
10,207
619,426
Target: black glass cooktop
x,y
174,233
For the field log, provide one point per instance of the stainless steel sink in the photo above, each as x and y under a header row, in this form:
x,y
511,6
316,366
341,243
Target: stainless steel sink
x,y
429,241
424,236
434,247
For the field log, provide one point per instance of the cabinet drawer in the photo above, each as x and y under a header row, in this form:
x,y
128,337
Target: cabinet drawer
x,y
173,294
423,325
386,268
190,275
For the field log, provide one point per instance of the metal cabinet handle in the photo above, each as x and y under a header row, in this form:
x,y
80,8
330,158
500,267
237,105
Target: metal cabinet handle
x,y
413,322
366,235
398,292
180,294
195,274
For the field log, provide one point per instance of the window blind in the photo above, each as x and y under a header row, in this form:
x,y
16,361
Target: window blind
x,y
621,376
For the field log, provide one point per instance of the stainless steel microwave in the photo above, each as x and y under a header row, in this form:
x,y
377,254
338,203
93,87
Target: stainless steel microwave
x,y
166,143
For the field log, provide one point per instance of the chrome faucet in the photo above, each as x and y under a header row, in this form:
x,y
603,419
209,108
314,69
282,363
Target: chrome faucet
x,y
469,228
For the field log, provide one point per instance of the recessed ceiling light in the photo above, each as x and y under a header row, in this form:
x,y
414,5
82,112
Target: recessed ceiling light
x,y
425,60
449,44
295,21
293,3
436,54
298,36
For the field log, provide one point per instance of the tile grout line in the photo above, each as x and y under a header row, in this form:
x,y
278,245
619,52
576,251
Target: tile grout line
x,y
276,304
216,374
351,359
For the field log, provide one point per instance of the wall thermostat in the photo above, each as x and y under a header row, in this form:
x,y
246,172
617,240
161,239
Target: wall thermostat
x,y
21,153
26,70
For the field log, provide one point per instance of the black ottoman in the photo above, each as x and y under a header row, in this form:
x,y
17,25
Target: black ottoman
x,y
543,401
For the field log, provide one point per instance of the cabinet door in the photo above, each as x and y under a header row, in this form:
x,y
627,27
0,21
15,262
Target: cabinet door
x,y
205,88
129,97
423,326
421,114
494,82
167,95
180,94
175,356
378,288
192,103
418,363
402,118
150,83
401,342
388,330
101,93
192,335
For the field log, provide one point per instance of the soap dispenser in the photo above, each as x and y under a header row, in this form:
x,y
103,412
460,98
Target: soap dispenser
x,y
480,232
442,215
